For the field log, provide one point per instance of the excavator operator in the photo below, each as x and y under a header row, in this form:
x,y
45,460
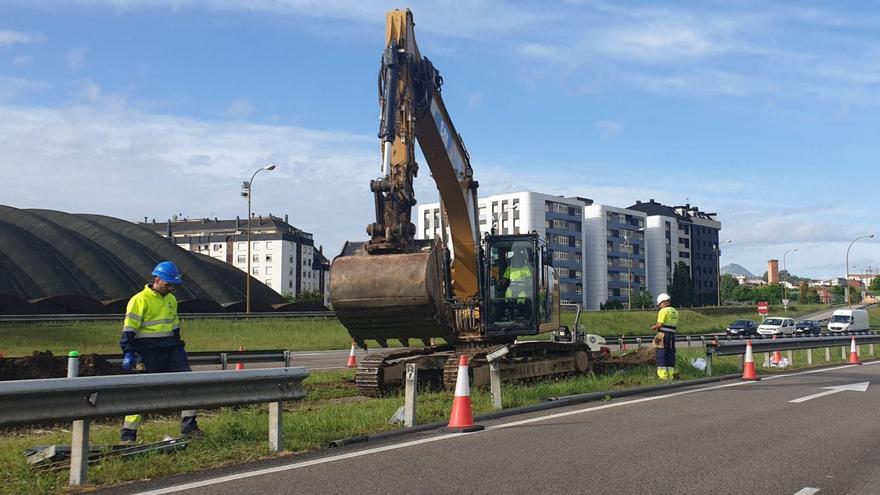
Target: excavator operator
x,y
517,281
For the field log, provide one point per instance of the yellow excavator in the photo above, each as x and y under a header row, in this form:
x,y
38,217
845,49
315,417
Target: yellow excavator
x,y
478,294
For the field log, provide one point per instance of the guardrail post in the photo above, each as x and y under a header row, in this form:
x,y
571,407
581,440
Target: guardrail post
x,y
638,343
223,360
495,384
79,441
827,354
740,362
871,349
790,357
766,358
287,359
688,339
809,356
843,353
708,364
276,427
410,391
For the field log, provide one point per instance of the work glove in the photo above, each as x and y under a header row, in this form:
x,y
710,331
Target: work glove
x,y
128,360
658,339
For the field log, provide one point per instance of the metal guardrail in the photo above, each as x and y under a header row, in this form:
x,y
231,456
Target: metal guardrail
x,y
739,347
224,358
711,337
82,399
183,316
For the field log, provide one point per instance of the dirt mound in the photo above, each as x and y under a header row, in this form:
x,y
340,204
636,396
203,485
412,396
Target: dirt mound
x,y
45,365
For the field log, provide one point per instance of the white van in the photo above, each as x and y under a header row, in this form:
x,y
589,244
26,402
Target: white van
x,y
849,320
776,325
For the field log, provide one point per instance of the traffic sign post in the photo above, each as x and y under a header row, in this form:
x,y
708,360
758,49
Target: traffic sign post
x,y
785,305
763,308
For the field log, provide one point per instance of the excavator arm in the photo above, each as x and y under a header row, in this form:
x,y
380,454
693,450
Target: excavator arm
x,y
394,286
412,110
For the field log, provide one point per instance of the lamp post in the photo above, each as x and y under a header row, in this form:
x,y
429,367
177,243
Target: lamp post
x,y
247,191
846,287
626,243
717,249
785,287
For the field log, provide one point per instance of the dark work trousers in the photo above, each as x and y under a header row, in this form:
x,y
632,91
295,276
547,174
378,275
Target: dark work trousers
x,y
163,360
665,355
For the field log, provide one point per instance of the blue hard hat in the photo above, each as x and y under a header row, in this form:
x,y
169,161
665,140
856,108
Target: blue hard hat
x,y
168,272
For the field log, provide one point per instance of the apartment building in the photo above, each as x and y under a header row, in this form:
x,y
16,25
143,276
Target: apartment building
x,y
614,249
682,233
282,256
557,219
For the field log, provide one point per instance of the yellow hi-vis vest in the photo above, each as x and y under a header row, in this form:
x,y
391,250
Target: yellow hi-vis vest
x,y
151,315
668,317
520,281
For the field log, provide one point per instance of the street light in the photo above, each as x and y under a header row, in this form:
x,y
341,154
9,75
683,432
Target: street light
x,y
846,287
785,287
628,250
717,249
246,191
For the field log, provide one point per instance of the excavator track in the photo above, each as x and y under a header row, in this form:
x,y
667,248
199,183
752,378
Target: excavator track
x,y
526,361
381,373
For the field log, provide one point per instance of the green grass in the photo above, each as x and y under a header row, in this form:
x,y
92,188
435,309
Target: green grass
x,y
313,334
332,411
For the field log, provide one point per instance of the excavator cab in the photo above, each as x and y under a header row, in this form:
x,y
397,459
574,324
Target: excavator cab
x,y
517,300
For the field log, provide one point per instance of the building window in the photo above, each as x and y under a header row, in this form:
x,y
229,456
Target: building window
x,y
269,282
268,258
255,258
241,259
268,245
577,257
256,245
290,284
255,270
268,270
217,247
241,246
560,255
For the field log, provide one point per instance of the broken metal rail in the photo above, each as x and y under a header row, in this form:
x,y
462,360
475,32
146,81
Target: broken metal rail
x,y
738,347
54,400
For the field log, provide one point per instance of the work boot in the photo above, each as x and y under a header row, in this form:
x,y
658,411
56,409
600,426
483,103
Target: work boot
x,y
127,436
662,373
189,428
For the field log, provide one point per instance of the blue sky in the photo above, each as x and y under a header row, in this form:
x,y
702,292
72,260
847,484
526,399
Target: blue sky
x,y
764,112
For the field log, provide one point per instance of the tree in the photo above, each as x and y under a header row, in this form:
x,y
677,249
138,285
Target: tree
x,y
728,284
803,289
642,300
875,284
682,290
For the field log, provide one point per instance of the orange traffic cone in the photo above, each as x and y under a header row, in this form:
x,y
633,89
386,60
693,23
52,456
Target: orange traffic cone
x,y
352,361
239,366
853,353
461,419
749,372
777,356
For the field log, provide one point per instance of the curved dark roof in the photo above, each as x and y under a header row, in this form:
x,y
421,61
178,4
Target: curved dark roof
x,y
51,256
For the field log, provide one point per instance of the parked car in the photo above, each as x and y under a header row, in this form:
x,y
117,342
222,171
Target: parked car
x,y
849,320
741,328
808,326
777,326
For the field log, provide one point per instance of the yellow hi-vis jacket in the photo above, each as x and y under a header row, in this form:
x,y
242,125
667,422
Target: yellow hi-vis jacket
x,y
520,282
150,320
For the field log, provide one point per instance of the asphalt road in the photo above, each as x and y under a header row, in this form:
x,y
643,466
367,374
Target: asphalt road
x,y
728,438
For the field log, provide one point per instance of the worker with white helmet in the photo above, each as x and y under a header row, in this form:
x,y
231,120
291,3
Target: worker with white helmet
x,y
666,326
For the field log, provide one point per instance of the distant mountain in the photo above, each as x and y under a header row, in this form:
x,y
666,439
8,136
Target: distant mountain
x,y
734,269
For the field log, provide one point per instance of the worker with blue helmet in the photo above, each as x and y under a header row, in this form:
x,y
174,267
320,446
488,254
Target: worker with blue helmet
x,y
151,340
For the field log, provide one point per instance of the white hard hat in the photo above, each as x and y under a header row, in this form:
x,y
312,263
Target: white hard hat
x,y
662,297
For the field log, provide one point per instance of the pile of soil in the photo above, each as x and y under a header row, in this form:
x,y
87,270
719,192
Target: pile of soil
x,y
641,357
45,365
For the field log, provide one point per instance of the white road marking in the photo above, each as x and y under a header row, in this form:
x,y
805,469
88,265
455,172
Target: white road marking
x,y
807,491
386,448
852,387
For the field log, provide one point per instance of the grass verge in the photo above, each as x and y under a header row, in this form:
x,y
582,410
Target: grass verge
x,y
332,411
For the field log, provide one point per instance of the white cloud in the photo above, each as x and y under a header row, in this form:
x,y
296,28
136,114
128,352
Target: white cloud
x,y
76,57
130,164
22,60
239,108
608,128
14,37
14,88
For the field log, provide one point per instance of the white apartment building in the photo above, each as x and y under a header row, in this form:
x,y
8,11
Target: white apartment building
x,y
615,255
557,219
282,256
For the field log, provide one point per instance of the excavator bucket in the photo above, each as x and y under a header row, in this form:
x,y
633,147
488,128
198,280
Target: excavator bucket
x,y
391,296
